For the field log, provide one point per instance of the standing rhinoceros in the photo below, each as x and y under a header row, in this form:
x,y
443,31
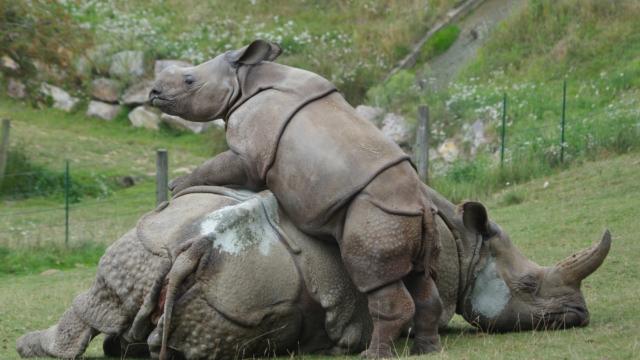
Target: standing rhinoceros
x,y
334,173
261,286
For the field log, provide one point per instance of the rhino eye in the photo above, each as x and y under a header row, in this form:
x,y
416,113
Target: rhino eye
x,y
188,79
527,284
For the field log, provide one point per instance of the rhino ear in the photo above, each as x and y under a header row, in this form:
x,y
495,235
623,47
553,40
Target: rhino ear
x,y
475,218
257,51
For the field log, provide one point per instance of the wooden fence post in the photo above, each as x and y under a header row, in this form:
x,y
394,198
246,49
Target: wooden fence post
x,y
422,143
162,176
4,147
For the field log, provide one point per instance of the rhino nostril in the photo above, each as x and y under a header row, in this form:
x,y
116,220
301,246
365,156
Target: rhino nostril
x,y
155,92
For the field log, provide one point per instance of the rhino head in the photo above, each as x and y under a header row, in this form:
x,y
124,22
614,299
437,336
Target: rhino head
x,y
207,91
512,293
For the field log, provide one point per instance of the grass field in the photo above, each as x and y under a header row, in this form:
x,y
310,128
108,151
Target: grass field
x,y
547,223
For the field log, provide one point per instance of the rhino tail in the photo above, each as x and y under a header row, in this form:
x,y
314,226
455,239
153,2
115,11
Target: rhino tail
x,y
186,263
431,239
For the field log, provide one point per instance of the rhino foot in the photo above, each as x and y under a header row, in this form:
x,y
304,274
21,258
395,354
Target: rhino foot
x,y
29,345
425,344
380,352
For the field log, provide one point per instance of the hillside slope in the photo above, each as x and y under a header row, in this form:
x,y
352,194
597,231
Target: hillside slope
x,y
548,224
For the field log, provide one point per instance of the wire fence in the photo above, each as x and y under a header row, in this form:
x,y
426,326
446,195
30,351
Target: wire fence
x,y
533,136
53,216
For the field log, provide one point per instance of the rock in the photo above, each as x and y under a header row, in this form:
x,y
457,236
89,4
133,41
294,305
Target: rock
x,y
106,90
61,99
126,181
195,127
103,110
145,117
99,58
82,67
16,89
475,136
448,150
395,127
9,63
47,72
138,93
373,114
183,170
49,272
163,64
127,64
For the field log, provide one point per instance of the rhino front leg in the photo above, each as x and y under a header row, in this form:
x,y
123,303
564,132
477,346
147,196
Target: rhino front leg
x,y
224,169
67,339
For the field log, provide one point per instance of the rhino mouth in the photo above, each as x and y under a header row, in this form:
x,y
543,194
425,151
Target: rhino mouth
x,y
572,316
158,101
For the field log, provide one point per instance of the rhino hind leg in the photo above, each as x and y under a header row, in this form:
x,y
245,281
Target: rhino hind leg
x,y
428,311
391,308
67,339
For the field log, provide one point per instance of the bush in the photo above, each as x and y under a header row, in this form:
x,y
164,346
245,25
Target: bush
x,y
440,42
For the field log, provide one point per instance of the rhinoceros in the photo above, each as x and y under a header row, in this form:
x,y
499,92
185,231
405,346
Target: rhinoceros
x,y
334,173
260,286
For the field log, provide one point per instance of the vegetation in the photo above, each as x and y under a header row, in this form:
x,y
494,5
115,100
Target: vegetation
x,y
593,45
319,36
439,43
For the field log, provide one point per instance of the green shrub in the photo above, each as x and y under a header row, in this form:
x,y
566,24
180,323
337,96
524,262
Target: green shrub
x,y
440,42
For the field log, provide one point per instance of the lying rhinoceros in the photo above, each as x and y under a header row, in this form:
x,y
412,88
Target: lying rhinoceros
x,y
260,286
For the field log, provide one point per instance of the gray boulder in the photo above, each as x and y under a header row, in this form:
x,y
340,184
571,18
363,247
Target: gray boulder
x,y
371,113
127,64
475,135
103,110
144,117
9,63
99,58
449,150
179,123
16,89
163,64
106,90
138,93
61,99
395,127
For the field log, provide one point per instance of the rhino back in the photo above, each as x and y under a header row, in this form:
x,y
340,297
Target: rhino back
x,y
327,154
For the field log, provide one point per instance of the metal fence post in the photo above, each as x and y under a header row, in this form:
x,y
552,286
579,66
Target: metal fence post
x,y
67,186
422,143
162,176
564,108
4,147
504,128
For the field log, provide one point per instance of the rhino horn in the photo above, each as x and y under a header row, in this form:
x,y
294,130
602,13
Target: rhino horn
x,y
581,264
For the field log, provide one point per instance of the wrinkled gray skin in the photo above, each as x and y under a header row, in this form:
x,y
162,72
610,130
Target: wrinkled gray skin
x,y
263,287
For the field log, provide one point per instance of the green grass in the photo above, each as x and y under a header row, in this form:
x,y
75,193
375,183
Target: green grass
x,y
440,42
100,153
549,223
